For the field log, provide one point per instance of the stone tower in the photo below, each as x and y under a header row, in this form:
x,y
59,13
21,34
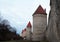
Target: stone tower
x,y
24,33
53,29
39,23
28,31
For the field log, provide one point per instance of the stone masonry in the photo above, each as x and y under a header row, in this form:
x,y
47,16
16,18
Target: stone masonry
x,y
53,29
39,24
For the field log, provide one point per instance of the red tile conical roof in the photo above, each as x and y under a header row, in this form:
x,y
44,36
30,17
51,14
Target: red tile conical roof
x,y
29,25
24,30
40,10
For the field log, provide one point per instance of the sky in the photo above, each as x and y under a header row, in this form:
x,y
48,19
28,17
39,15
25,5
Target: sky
x,y
19,12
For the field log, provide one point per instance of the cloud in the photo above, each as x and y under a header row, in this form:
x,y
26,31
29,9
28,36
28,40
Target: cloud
x,y
19,12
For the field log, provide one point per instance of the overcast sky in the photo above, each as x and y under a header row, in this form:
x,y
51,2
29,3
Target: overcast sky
x,y
19,12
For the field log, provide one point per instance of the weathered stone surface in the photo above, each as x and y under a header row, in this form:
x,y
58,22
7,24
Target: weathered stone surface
x,y
39,26
53,31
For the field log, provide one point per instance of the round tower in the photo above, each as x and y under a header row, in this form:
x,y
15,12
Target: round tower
x,y
29,31
24,33
39,23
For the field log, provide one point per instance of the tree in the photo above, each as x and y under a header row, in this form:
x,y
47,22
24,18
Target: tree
x,y
7,32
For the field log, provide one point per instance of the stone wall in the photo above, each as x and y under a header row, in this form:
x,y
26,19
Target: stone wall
x,y
53,31
28,33
39,26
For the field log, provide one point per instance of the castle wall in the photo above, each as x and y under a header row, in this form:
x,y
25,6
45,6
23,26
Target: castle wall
x,y
39,26
28,33
24,34
53,31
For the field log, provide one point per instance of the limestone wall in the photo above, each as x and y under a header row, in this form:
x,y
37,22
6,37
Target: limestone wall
x,y
39,26
24,34
28,33
53,31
